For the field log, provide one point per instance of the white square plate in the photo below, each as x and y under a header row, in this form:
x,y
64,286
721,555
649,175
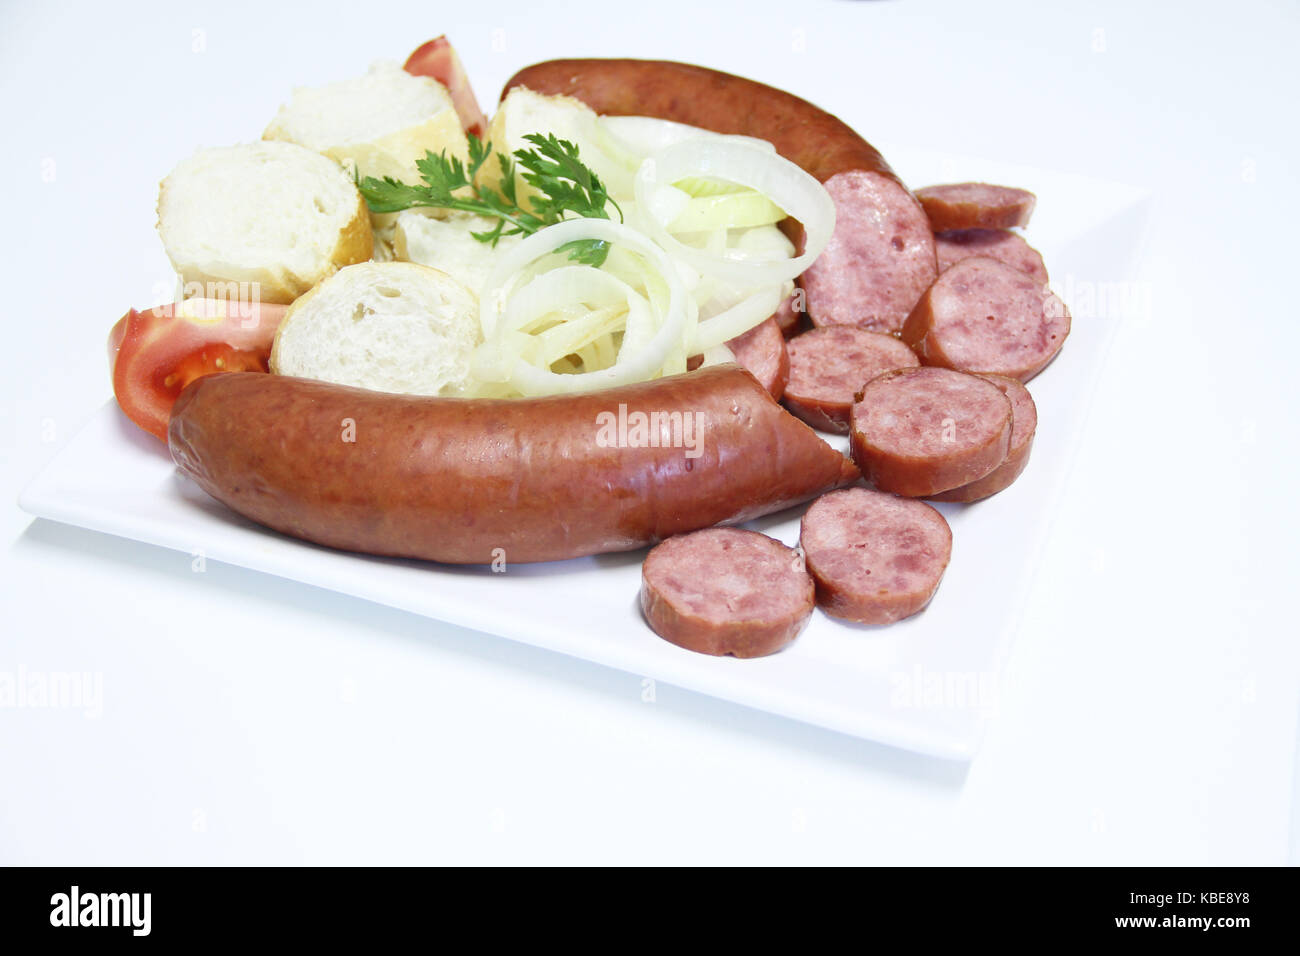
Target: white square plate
x,y
924,684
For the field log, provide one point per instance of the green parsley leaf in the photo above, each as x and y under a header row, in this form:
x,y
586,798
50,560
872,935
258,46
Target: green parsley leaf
x,y
566,188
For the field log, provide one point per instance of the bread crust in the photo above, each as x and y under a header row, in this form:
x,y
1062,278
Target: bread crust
x,y
276,284
356,241
408,274
393,153
299,304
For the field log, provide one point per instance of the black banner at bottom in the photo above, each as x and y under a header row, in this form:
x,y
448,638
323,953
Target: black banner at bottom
x,y
90,905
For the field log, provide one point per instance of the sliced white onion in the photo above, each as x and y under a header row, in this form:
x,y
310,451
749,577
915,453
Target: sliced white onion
x,y
718,355
738,319
652,337
764,241
699,187
784,183
738,210
575,335
666,203
646,135
563,289
699,262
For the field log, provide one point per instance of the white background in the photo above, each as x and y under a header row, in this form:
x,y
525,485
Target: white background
x,y
1149,712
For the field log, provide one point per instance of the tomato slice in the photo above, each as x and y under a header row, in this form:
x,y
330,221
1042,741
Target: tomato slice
x,y
438,59
155,353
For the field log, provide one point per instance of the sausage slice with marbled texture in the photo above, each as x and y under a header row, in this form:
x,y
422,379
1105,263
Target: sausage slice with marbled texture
x,y
922,431
1000,244
1024,422
789,314
976,206
880,258
985,316
829,366
762,350
726,591
876,558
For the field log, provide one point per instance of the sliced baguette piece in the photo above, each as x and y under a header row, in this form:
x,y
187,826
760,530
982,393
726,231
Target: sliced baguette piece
x,y
386,326
382,122
523,112
276,216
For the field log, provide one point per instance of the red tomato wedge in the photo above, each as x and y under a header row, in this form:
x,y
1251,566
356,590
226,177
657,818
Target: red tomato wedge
x,y
155,353
438,59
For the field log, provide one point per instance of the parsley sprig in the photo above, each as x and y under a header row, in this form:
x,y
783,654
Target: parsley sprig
x,y
566,187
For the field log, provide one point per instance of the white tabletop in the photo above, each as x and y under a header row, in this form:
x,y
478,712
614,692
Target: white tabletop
x,y
1149,711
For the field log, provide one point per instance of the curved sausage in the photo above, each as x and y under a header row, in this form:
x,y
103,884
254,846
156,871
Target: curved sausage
x,y
468,481
1024,422
881,256
984,316
829,366
920,431
726,591
875,558
999,244
976,206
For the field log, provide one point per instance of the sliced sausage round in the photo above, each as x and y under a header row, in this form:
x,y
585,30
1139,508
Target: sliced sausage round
x,y
999,244
762,351
726,591
880,258
829,366
876,558
984,316
788,318
976,206
1024,422
921,431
